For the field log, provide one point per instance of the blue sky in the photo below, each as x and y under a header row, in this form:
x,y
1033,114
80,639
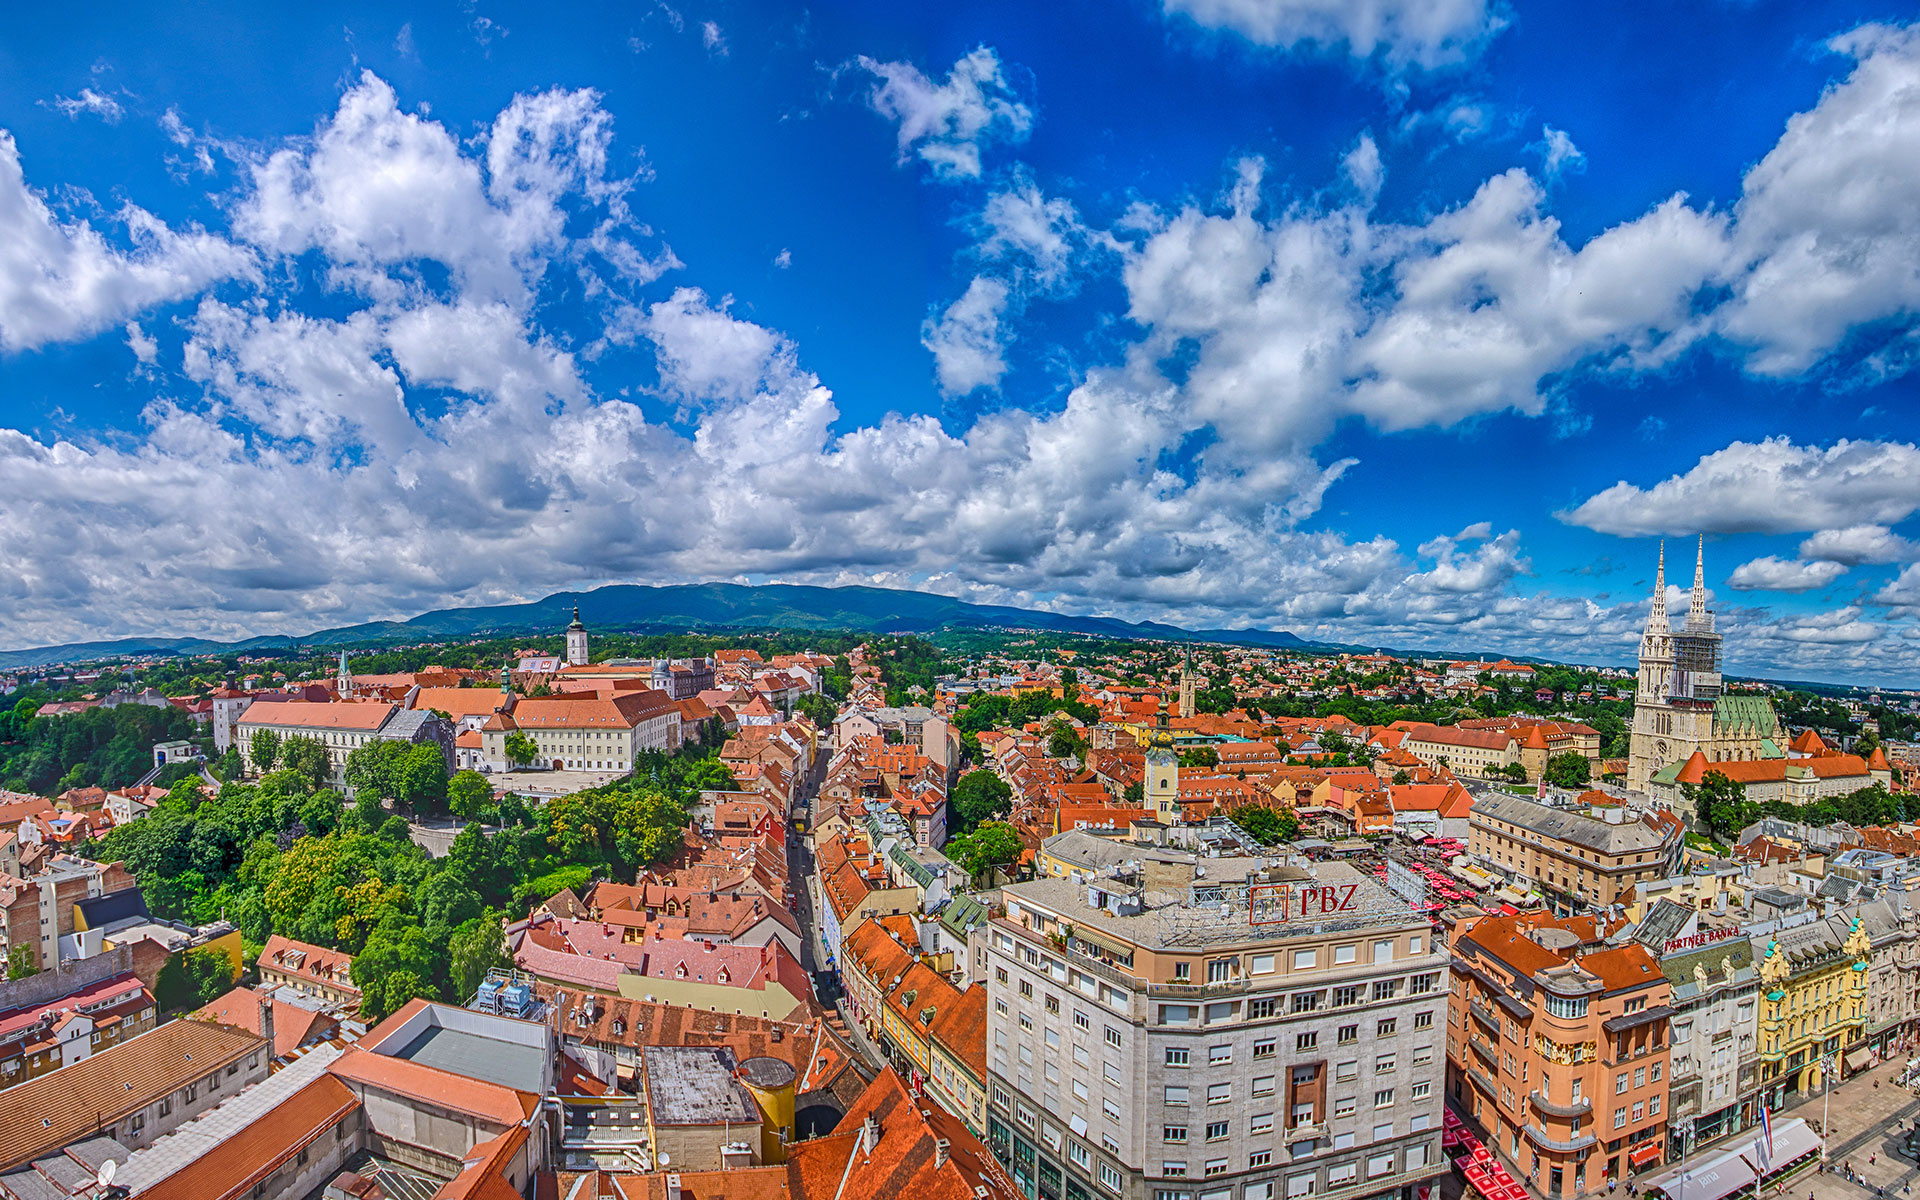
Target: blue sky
x,y
1414,322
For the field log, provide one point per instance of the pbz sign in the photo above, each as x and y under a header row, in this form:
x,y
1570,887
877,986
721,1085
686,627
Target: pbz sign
x,y
1277,903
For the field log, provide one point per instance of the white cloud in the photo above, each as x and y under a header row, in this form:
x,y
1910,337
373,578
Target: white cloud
x,y
63,279
1774,486
1828,235
1424,33
1770,574
145,348
1558,154
968,341
946,124
89,101
784,259
706,353
1364,170
1858,544
1039,235
713,39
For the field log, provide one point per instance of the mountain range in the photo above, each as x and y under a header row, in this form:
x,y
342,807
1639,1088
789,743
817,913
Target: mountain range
x,y
629,607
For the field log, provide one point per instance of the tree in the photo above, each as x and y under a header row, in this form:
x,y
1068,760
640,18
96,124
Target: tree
x,y
420,777
1135,793
818,709
979,796
477,947
193,980
1569,770
306,757
1402,777
469,795
1513,771
21,963
1267,825
521,749
981,851
264,749
1720,803
1199,758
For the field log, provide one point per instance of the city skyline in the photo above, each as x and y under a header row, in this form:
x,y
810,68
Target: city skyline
x,y
1226,313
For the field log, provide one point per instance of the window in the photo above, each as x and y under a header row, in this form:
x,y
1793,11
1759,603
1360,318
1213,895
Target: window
x,y
1026,1022
1639,1111
1178,1056
1261,1123
1639,1077
1053,1004
1081,1156
1259,1158
1260,1010
1026,988
1111,1109
1176,1094
1378,1165
1217,1131
1653,1107
1080,1089
1260,964
1306,1002
1303,960
1176,1134
1347,997
999,974
1299,1185
1219,1093
1343,1174
1423,1089
1263,1048
1620,1084
1619,1118
1080,1020
1111,1072
1386,1028
1000,1097
1263,1085
1383,1062
1383,950
1348,1071
1417,1156
1423,1056
1219,1054
1000,1006
1174,1167
1113,1036
1343,1107
1383,1098
1423,1020
1423,985
1220,970
1566,1007
1383,1132
1349,1034
1654,1073
1109,1178
1385,989
1345,954
1216,1166
1024,1115
1182,972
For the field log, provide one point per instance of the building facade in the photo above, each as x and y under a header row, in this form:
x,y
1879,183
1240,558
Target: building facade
x,y
1578,857
1222,1027
1715,1063
1813,1006
1679,703
1557,1046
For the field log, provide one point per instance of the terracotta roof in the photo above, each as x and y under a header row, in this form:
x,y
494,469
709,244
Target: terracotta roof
x,y
51,1110
306,714
902,1164
503,1106
459,702
261,1147
305,960
292,1024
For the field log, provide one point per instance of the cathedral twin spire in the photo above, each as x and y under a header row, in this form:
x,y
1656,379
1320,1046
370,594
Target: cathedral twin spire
x,y
1697,617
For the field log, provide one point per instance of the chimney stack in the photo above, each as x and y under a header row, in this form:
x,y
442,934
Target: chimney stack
x,y
940,1147
266,1022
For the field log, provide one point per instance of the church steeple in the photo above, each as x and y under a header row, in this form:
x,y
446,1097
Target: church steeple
x,y
1657,619
343,680
1697,606
577,655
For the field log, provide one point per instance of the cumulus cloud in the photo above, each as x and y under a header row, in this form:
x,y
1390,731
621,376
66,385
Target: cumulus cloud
x,y
1858,544
1773,486
62,279
968,341
1770,574
1558,154
947,123
1422,33
1827,237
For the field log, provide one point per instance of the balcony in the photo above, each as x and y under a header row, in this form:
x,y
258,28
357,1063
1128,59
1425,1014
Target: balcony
x,y
1484,1082
1577,1108
1484,1050
1484,1015
1538,1137
1315,1131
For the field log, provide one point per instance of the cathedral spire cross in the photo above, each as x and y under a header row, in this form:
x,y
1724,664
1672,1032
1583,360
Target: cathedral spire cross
x,y
1657,619
1697,605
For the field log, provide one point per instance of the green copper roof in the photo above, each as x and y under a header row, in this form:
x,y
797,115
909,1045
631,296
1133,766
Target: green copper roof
x,y
1746,712
1665,774
1769,750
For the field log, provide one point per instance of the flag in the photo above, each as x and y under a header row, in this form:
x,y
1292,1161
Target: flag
x,y
1766,1125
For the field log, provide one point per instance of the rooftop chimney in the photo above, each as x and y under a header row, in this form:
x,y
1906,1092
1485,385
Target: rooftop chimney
x,y
266,1022
940,1147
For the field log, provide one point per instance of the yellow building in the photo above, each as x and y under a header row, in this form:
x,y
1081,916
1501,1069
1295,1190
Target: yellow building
x,y
1813,1005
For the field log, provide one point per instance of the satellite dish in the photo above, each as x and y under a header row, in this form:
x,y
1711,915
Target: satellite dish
x,y
107,1169
665,1159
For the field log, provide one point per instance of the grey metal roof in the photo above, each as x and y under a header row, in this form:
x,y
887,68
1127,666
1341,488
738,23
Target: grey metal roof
x,y
1628,837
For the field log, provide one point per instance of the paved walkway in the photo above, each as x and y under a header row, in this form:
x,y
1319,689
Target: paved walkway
x,y
1866,1125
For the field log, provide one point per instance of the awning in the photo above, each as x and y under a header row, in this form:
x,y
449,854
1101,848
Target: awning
x,y
1643,1154
1856,1060
1723,1174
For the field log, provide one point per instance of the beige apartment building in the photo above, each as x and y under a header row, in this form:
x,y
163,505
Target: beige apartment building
x,y
1214,1029
1579,857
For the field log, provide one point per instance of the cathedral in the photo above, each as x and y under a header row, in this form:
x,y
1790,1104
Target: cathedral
x,y
1679,706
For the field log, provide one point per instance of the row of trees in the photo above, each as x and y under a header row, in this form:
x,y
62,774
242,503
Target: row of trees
x,y
1722,805
101,747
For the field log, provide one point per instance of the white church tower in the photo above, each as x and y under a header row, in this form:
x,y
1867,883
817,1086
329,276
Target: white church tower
x,y
343,680
576,641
